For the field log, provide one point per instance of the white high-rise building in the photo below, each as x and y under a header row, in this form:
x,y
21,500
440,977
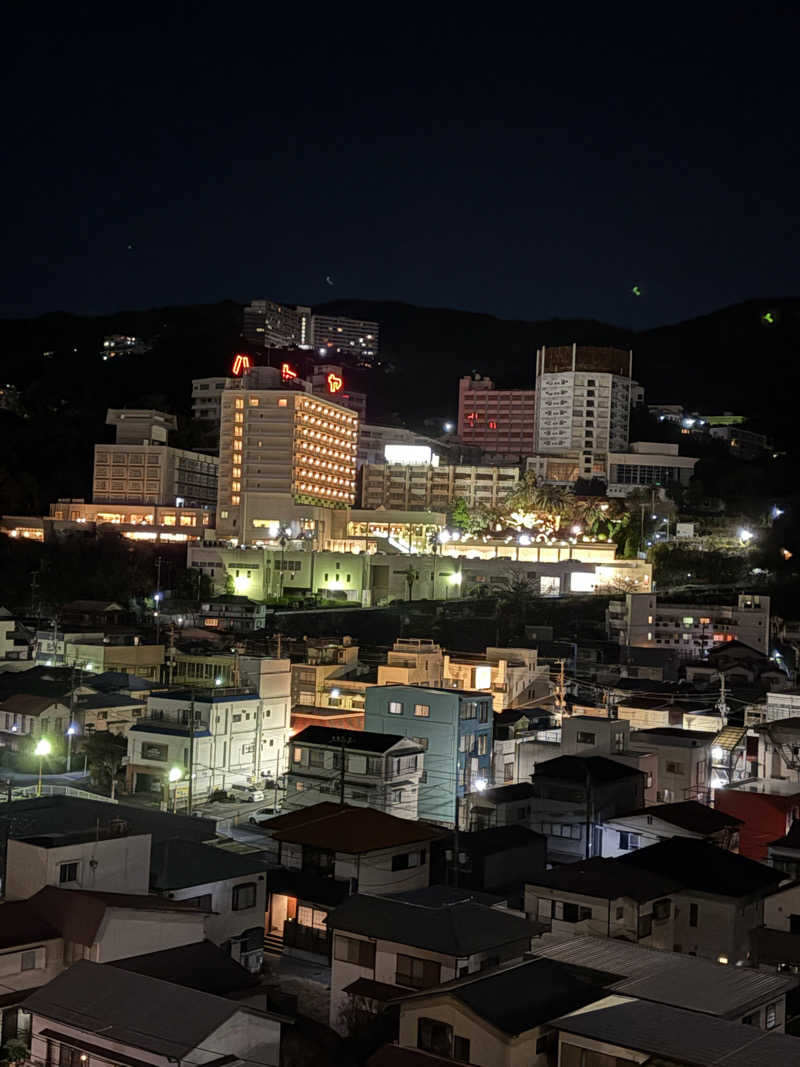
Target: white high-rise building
x,y
274,325
286,458
583,401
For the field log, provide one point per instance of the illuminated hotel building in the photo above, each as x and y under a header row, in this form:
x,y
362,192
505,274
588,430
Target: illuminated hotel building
x,y
275,325
287,458
498,421
358,336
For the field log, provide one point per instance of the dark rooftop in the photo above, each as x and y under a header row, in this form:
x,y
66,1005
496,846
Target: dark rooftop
x,y
202,965
455,929
436,896
505,794
790,839
114,1003
690,815
606,879
704,867
498,839
359,740
575,769
179,864
348,829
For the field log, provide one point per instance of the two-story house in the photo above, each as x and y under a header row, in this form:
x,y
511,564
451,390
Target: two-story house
x,y
684,761
381,771
384,946
600,898
574,797
230,886
454,729
511,675
330,851
684,818
93,1015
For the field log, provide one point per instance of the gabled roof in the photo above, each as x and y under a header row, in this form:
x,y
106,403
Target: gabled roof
x,y
94,701
355,740
179,864
704,867
606,879
689,815
790,839
342,828
519,998
28,704
457,929
576,768
672,978
685,1037
75,914
202,965
498,839
132,1009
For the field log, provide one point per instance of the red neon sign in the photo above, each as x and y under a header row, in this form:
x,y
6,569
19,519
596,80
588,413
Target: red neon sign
x,y
472,418
492,424
335,383
241,364
287,372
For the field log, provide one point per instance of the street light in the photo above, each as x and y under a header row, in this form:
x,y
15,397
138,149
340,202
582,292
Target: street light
x,y
71,731
174,776
43,748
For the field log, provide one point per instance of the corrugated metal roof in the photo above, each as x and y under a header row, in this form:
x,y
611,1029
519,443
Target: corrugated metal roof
x,y
730,737
671,978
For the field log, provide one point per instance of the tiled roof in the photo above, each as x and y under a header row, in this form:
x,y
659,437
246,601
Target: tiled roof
x,y
346,829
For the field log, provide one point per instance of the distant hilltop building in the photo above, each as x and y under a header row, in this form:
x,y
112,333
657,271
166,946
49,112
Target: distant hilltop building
x,y
120,344
274,325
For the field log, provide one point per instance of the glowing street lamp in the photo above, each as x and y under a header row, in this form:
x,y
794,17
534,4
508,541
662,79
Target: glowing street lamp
x,y
174,776
43,748
71,731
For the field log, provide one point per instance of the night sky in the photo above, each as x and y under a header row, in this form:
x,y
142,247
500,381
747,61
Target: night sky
x,y
191,153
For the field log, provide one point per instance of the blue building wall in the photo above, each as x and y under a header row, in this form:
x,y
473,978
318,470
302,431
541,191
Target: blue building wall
x,y
456,734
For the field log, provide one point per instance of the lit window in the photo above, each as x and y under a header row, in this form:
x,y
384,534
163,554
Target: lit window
x,y
282,402
237,431
168,520
235,486
234,499
238,417
395,707
239,402
253,401
422,711
237,446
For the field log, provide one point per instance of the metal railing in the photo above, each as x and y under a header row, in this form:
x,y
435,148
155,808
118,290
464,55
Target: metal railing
x,y
24,791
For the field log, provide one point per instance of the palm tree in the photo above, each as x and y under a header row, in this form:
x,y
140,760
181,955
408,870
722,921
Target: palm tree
x,y
514,599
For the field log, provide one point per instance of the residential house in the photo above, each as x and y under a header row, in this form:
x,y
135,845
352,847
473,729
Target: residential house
x,y
230,886
384,946
721,899
684,761
779,749
112,712
329,851
499,1017
623,1030
496,860
76,832
576,794
25,715
200,965
767,808
738,994
684,818
413,661
112,1016
775,946
43,935
454,729
231,612
381,771
324,660
505,805
600,898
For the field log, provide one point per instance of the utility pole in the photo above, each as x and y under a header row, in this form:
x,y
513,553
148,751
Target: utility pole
x,y
588,849
171,667
722,704
560,702
158,599
343,741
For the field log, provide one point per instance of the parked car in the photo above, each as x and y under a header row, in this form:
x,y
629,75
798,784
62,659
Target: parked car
x,y
246,793
262,817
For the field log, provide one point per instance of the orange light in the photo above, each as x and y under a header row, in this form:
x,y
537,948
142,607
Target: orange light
x,y
335,383
241,364
287,372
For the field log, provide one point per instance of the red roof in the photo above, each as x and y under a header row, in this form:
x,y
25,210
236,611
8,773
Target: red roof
x,y
342,828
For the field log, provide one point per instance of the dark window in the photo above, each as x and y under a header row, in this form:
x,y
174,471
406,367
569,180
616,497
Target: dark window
x,y
203,902
244,896
417,973
405,860
67,872
461,1049
433,1036
484,717
316,757
645,926
28,961
585,738
753,1019
350,950
661,909
628,840
693,914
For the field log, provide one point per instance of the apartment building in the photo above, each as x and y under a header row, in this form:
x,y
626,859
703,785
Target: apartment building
x,y
275,325
285,459
692,629
374,440
207,398
141,468
374,770
499,421
648,463
512,675
360,337
429,487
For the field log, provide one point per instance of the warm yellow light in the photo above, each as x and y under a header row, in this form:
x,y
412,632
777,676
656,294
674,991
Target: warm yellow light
x,y
175,774
43,747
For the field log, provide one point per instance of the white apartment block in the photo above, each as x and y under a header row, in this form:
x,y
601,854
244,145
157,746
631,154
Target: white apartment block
x,y
512,675
285,458
426,487
359,336
583,400
647,464
274,325
692,629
